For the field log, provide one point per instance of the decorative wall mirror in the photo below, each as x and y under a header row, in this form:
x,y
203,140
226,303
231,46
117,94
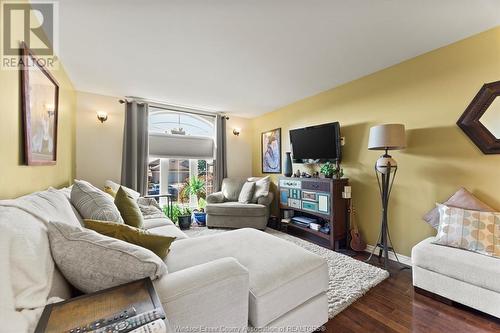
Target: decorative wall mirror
x,y
481,119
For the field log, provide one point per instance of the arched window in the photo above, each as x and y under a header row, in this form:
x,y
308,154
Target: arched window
x,y
181,149
172,122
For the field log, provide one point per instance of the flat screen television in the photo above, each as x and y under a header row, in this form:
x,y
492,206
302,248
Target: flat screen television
x,y
316,144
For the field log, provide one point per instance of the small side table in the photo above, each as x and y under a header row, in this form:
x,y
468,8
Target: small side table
x,y
169,201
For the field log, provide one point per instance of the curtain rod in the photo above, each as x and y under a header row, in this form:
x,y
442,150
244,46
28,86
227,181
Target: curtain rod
x,y
170,107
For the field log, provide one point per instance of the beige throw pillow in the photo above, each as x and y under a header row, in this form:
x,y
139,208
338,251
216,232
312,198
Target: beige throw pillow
x,y
461,199
231,188
91,261
469,230
246,193
262,185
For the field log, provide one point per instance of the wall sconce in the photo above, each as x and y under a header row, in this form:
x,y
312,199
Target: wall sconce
x,y
236,131
50,109
102,116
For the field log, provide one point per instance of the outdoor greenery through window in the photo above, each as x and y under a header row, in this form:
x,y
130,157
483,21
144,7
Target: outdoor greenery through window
x,y
188,180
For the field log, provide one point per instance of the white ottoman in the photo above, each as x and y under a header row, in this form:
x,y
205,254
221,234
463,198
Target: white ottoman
x,y
287,283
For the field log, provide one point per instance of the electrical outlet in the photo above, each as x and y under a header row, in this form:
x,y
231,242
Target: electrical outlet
x,y
342,140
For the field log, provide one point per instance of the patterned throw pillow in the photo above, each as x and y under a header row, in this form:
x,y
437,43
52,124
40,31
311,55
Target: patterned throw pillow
x,y
91,261
94,204
469,230
461,199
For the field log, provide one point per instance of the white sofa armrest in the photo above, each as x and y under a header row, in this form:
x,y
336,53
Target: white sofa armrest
x,y
209,295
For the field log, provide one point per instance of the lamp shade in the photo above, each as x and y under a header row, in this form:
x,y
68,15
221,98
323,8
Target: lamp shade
x,y
387,137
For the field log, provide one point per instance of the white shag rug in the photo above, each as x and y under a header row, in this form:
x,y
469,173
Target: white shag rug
x,y
349,278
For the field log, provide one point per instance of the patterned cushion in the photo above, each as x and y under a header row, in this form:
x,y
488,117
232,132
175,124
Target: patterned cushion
x,y
91,261
93,203
461,199
469,230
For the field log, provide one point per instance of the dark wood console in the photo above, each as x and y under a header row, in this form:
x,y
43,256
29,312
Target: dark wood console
x,y
318,198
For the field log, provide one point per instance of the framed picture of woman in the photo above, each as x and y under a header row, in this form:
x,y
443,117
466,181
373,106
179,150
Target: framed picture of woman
x,y
271,151
40,98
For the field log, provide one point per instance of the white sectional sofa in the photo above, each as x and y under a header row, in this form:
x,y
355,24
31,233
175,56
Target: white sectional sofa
x,y
218,283
462,276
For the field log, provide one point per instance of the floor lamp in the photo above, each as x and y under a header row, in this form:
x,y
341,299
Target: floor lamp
x,y
386,137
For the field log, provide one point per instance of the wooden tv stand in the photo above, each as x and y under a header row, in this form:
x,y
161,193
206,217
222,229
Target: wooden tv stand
x,y
319,198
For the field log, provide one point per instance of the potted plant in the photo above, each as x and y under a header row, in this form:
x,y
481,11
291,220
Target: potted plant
x,y
196,186
184,218
180,215
329,170
199,214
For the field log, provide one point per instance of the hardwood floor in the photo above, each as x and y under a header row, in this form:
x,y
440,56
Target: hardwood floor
x,y
393,306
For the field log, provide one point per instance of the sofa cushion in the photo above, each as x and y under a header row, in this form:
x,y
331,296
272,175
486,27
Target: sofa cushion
x,y
28,272
156,222
168,230
276,286
246,192
93,203
92,262
466,266
461,199
158,244
128,208
231,188
262,185
236,209
113,187
469,230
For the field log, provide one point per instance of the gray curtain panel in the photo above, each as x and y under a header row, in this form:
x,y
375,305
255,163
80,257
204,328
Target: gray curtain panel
x,y
135,147
220,167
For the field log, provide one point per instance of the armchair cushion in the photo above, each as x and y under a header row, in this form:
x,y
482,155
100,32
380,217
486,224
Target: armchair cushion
x,y
261,187
216,292
236,209
246,193
216,197
231,188
266,200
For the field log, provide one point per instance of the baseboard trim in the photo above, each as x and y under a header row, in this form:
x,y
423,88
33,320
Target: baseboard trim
x,y
402,259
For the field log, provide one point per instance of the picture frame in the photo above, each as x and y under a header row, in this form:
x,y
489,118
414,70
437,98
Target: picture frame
x,y
271,151
40,108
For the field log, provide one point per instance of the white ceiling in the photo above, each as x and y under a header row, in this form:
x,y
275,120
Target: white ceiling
x,y
251,57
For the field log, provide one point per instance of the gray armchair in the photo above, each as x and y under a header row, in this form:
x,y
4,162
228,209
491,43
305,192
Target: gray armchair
x,y
223,209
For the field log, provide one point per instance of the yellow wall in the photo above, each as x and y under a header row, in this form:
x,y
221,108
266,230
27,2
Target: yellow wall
x,y
428,94
99,146
239,148
15,178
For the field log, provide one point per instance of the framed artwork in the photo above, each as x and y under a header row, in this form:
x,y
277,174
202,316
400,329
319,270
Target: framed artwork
x,y
271,151
40,98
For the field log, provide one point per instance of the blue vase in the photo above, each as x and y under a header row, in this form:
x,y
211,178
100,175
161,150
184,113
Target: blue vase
x,y
288,165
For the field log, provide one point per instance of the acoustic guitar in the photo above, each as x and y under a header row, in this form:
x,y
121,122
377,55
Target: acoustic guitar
x,y
357,244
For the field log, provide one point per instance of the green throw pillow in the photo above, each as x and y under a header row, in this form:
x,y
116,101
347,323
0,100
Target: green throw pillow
x,y
158,244
129,209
